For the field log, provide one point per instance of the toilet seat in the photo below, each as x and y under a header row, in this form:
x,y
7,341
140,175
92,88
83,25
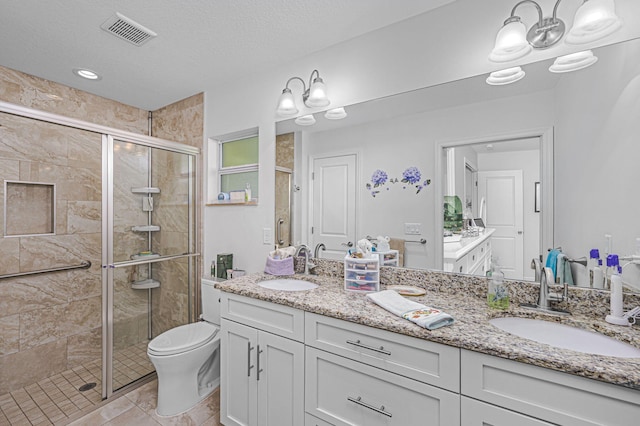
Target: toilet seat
x,y
182,339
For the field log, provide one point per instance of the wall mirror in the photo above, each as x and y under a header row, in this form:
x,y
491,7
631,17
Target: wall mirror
x,y
574,133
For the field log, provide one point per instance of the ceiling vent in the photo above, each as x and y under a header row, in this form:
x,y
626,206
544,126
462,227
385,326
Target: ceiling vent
x,y
127,29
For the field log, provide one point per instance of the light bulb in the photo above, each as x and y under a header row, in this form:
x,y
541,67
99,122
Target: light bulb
x,y
317,94
506,76
511,42
306,120
286,103
594,20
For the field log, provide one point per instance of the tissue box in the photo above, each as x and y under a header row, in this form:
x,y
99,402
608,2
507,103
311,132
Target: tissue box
x,y
236,195
279,266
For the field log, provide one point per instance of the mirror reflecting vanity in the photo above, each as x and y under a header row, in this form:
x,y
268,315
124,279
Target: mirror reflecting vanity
x,y
567,142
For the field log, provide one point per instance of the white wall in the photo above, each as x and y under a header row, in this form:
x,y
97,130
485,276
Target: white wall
x,y
449,43
598,149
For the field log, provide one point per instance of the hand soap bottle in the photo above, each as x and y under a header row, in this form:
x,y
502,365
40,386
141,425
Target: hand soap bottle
x,y
497,294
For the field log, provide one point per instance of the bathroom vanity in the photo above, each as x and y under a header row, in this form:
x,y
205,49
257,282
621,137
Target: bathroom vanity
x,y
470,255
330,357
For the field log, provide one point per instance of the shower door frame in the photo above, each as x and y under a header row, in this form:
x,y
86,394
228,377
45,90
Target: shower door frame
x,y
108,263
149,141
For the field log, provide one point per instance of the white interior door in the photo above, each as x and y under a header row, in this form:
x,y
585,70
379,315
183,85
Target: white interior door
x,y
503,193
333,208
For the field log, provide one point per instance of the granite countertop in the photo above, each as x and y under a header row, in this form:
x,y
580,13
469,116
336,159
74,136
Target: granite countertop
x,y
458,296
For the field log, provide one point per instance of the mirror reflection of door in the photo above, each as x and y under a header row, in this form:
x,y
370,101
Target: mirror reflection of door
x,y
502,191
333,207
283,200
516,240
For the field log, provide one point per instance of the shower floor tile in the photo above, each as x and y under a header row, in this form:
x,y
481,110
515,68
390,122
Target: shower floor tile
x,y
56,399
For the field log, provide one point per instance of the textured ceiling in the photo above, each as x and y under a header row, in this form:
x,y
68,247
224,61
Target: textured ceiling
x,y
200,43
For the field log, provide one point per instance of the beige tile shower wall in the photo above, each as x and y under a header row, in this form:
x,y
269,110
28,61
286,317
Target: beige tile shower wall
x,y
182,122
50,322
33,92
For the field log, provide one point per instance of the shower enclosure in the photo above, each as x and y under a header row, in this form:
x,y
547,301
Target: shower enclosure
x,y
149,250
98,256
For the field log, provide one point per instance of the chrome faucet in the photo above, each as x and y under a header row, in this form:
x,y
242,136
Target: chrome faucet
x,y
307,264
316,251
545,296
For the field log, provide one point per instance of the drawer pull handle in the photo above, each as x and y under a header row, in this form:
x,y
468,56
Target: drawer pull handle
x,y
249,366
371,348
359,401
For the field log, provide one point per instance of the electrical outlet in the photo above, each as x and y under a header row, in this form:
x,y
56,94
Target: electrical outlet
x,y
412,228
267,236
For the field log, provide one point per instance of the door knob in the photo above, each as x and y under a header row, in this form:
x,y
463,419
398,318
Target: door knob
x,y
348,244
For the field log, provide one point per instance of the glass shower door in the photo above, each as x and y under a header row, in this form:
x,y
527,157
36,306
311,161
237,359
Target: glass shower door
x,y
152,250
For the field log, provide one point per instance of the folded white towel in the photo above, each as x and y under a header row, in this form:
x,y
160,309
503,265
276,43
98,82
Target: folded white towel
x,y
283,252
422,315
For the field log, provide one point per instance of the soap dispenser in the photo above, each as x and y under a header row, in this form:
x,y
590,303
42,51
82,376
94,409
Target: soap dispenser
x,y
497,294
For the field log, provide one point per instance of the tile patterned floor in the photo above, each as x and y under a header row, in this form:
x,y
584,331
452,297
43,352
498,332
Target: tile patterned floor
x,y
55,400
138,407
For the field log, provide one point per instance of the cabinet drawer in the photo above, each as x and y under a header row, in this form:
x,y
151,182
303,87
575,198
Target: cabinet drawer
x,y
415,358
345,392
460,267
282,320
476,413
310,420
546,394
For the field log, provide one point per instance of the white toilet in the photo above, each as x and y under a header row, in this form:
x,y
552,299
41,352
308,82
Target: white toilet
x,y
187,358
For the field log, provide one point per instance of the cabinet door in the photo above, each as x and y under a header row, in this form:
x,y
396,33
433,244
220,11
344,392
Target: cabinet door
x,y
280,380
476,413
348,393
238,389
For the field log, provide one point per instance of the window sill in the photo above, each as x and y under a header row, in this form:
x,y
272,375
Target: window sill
x,y
253,202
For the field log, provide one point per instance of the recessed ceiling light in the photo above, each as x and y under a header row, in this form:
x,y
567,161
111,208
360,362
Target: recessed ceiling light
x,y
86,73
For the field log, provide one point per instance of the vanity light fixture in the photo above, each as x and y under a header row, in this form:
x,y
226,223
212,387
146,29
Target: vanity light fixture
x,y
594,19
306,120
573,62
87,73
335,114
506,76
314,96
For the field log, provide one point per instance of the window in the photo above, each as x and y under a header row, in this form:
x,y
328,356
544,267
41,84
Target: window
x,y
238,165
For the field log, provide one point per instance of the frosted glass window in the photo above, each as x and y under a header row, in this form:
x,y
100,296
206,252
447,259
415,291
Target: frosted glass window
x,y
239,165
241,152
239,181
36,199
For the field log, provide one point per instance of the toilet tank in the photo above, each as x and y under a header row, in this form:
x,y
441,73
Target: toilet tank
x,y
210,301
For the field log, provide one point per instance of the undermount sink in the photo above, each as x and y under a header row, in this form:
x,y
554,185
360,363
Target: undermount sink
x,y
566,337
283,284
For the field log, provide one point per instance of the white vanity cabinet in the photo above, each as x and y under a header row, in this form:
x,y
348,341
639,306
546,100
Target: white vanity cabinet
x,y
540,395
262,372
470,255
358,375
476,413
